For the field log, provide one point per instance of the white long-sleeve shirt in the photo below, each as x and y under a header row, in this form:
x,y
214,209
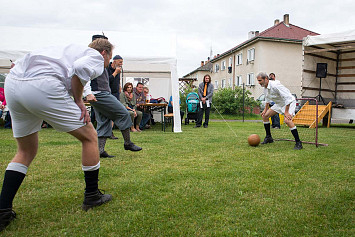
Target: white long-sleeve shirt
x,y
62,63
278,93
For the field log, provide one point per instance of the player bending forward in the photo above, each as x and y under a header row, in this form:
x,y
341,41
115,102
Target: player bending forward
x,y
39,88
285,104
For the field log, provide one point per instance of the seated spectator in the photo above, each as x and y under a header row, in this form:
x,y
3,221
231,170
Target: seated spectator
x,y
170,107
2,101
128,99
147,99
140,99
2,109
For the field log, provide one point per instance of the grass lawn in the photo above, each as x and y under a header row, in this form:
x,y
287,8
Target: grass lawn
x,y
202,182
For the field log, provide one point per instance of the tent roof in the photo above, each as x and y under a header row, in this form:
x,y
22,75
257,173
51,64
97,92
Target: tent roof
x,y
16,41
334,39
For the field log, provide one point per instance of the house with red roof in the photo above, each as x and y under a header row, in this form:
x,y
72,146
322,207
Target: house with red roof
x,y
277,49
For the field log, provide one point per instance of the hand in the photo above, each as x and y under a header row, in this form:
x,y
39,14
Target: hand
x,y
84,112
2,107
288,115
135,113
118,70
91,98
263,113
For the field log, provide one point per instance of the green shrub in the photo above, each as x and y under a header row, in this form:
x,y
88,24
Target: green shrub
x,y
230,101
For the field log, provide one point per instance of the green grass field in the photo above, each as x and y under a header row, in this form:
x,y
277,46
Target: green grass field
x,y
202,182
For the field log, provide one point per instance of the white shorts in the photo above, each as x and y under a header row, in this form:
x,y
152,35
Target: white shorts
x,y
32,100
281,110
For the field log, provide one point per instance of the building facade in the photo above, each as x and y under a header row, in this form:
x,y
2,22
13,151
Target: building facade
x,y
278,49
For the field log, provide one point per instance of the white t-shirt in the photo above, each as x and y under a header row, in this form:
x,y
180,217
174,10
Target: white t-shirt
x,y
278,93
62,63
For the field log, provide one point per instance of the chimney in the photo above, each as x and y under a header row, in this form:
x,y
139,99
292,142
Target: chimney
x,y
208,59
276,22
202,63
287,19
256,33
251,34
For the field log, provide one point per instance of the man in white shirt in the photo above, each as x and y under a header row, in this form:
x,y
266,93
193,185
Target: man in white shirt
x,y
38,88
285,104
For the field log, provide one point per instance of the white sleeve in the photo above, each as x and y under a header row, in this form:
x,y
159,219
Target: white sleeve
x,y
89,67
285,94
87,89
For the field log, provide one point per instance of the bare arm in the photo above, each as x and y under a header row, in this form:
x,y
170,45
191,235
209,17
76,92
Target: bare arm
x,y
77,89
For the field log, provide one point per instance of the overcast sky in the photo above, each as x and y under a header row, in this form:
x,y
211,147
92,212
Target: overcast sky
x,y
197,24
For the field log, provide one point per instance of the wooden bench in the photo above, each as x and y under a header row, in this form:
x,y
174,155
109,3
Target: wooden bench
x,y
169,118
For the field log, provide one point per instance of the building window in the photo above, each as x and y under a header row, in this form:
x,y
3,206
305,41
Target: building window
x,y
251,54
215,85
239,81
251,79
223,67
223,84
240,59
216,67
230,82
230,62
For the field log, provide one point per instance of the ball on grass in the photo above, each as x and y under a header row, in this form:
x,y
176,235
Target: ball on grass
x,y
254,140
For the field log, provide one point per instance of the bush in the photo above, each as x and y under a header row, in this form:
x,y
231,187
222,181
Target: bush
x,y
230,101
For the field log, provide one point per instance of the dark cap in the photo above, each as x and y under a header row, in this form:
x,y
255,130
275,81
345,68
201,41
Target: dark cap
x,y
117,57
94,37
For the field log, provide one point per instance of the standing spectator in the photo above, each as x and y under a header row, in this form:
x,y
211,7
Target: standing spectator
x,y
275,120
128,99
114,72
140,99
205,92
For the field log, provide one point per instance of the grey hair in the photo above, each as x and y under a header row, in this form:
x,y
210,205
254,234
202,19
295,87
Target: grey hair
x,y
263,75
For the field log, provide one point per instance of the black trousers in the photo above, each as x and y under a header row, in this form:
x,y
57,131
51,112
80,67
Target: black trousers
x,y
200,115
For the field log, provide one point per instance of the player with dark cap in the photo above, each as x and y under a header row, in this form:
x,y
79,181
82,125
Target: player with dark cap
x,y
108,108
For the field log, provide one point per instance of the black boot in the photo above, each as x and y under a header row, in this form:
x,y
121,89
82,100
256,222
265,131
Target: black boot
x,y
105,155
6,216
132,147
268,139
298,146
94,199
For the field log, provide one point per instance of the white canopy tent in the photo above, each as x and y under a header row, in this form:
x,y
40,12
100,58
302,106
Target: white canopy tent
x,y
137,48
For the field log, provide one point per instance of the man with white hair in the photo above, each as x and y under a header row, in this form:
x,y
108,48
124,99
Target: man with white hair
x,y
285,104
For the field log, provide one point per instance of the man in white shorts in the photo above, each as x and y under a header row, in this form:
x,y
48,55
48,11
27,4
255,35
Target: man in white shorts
x,y
38,88
285,104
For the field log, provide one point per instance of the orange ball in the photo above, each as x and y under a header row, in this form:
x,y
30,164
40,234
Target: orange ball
x,y
254,140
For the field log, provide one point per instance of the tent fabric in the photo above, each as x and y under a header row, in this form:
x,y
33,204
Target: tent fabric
x,y
347,36
137,47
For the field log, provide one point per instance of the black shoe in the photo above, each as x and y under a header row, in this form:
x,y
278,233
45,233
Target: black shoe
x,y
268,139
298,146
113,137
105,155
94,199
132,147
205,126
6,216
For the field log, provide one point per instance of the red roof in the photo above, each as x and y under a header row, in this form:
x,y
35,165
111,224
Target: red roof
x,y
279,31
282,31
